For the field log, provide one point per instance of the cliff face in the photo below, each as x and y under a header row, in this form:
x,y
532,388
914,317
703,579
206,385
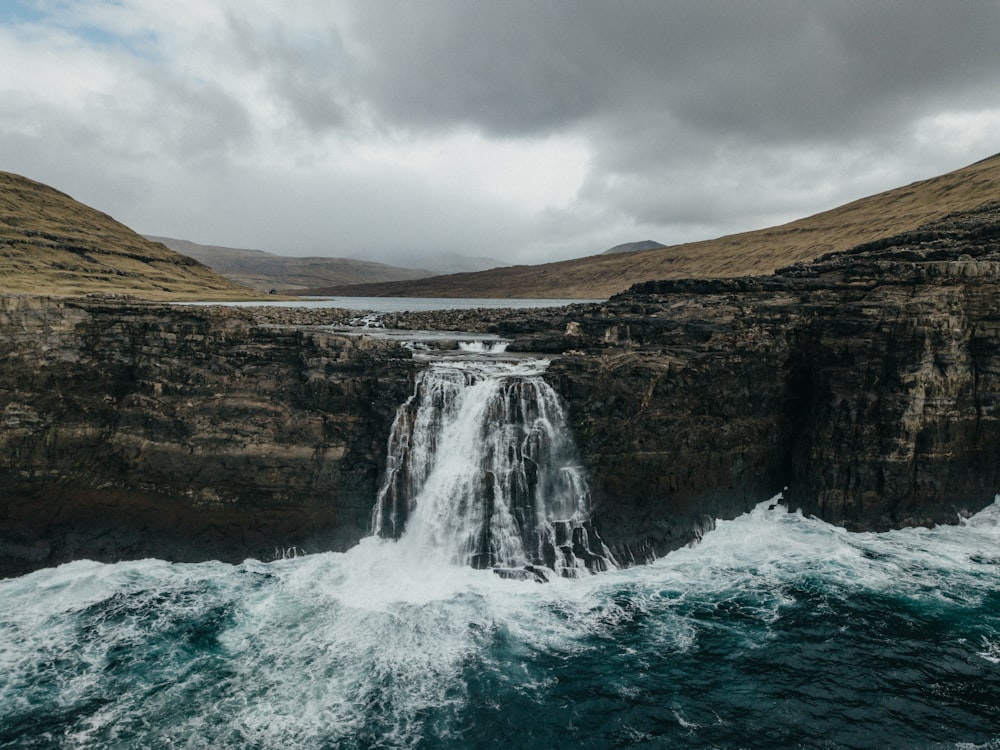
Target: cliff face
x,y
185,433
866,385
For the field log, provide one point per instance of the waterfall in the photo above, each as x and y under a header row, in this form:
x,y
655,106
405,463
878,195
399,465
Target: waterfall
x,y
481,466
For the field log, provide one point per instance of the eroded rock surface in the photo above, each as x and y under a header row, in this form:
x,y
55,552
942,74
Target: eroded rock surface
x,y
866,385
130,430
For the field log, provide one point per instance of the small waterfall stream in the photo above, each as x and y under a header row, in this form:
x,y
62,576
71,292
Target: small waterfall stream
x,y
481,466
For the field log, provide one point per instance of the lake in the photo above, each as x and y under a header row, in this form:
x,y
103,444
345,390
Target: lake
x,y
408,304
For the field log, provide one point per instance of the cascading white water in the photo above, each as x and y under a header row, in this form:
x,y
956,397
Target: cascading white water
x,y
481,468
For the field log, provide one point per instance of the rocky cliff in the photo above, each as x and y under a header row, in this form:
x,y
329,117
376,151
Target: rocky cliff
x,y
131,430
866,385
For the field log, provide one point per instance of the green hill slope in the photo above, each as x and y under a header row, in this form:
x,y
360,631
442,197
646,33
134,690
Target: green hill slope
x,y
52,244
759,252
265,271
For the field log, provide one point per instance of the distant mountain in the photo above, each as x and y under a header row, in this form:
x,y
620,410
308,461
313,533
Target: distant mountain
x,y
633,247
52,244
443,263
760,252
266,271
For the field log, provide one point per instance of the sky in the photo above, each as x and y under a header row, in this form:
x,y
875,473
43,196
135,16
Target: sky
x,y
520,130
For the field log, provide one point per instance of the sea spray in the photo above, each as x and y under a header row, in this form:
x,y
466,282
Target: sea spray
x,y
777,631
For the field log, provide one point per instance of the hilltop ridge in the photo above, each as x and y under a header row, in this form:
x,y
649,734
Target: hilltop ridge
x,y
763,251
265,271
52,244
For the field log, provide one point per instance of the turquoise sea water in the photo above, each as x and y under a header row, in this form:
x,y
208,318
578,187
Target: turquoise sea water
x,y
777,631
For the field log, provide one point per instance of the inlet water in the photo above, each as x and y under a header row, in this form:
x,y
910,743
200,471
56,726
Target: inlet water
x,y
776,631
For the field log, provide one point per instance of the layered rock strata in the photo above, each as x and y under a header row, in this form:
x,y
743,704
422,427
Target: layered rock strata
x,y
865,385
131,430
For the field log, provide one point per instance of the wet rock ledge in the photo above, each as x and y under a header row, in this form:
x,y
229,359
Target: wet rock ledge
x,y
865,385
130,430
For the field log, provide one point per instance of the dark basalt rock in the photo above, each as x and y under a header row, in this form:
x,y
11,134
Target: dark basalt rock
x,y
865,386
527,573
131,430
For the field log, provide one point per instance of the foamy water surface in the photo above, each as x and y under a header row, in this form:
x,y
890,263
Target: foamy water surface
x,y
777,631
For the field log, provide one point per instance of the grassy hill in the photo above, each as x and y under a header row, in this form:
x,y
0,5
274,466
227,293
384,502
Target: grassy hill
x,y
265,271
634,247
51,244
759,252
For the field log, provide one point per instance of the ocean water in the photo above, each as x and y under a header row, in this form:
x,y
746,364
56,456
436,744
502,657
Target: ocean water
x,y
776,631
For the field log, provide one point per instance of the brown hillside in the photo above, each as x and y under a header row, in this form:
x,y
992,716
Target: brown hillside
x,y
759,252
51,244
265,271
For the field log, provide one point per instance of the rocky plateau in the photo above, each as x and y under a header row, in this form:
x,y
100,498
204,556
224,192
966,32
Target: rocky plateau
x,y
864,386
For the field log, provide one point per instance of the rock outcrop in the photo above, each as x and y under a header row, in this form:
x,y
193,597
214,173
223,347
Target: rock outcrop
x,y
864,385
131,430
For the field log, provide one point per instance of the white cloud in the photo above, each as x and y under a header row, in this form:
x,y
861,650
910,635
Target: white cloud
x,y
953,135
525,175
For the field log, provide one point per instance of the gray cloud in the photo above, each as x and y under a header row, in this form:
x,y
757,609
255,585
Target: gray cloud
x,y
310,73
330,129
677,98
777,69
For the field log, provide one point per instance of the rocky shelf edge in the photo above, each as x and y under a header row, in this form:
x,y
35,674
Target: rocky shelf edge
x,y
130,430
866,383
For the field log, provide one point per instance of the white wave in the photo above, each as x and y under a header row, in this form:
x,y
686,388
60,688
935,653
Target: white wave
x,y
306,651
991,651
987,518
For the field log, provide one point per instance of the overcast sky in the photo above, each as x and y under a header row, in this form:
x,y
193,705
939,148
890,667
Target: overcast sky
x,y
524,130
